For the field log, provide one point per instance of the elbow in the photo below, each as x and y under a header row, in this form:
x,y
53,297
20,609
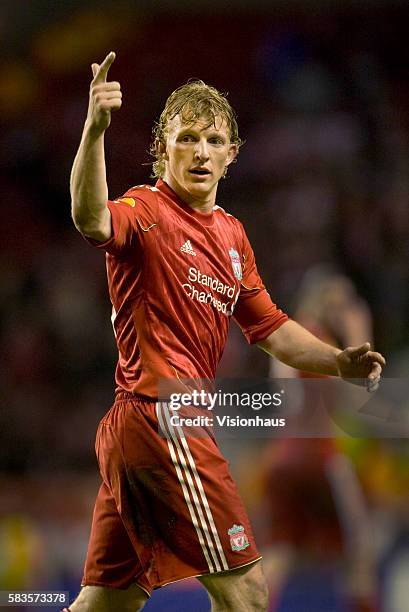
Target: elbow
x,y
97,227
77,218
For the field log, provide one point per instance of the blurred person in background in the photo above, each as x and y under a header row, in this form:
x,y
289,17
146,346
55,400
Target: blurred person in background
x,y
320,528
382,468
145,531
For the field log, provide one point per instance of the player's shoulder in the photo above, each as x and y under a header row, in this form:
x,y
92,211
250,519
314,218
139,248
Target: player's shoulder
x,y
144,200
145,193
232,223
227,219
223,214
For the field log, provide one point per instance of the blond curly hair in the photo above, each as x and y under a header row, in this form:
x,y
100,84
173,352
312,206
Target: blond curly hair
x,y
192,101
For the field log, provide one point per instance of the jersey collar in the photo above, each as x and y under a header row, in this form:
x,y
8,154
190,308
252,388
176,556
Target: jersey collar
x,y
203,218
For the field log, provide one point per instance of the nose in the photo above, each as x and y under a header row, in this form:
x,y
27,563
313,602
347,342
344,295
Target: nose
x,y
201,150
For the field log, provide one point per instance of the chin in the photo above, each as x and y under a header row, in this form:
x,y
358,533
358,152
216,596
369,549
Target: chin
x,y
199,188
199,193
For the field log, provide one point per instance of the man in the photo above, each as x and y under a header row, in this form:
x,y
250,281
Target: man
x,y
178,268
328,538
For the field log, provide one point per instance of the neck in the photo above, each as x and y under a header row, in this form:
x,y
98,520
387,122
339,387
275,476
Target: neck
x,y
203,204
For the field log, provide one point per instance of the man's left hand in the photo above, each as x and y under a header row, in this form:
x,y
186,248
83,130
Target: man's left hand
x,y
361,363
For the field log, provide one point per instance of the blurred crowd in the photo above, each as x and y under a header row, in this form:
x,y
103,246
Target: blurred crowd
x,y
322,98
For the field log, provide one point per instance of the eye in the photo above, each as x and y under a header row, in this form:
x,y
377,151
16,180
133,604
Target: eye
x,y
216,140
187,138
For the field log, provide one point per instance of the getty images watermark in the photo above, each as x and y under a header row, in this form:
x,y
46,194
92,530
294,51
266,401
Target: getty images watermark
x,y
214,402
299,407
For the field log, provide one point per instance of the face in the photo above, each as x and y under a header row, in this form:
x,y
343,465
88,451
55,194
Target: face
x,y
196,157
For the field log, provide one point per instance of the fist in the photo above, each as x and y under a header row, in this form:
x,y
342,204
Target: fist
x,y
104,96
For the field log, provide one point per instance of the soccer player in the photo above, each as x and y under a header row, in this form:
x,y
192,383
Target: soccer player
x,y
179,267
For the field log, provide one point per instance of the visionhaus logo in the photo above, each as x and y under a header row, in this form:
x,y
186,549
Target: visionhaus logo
x,y
257,421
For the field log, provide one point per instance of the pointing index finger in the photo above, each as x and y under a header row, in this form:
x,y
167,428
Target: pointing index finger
x,y
101,75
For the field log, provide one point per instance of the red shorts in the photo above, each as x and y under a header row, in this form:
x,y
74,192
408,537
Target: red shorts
x,y
167,508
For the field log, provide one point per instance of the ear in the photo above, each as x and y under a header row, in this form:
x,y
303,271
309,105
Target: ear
x,y
232,154
161,149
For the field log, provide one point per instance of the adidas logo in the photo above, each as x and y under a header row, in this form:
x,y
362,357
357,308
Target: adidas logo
x,y
187,248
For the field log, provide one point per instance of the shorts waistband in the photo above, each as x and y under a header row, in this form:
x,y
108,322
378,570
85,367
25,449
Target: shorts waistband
x,y
126,395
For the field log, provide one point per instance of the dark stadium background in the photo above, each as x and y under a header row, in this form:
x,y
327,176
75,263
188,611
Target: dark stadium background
x,y
322,94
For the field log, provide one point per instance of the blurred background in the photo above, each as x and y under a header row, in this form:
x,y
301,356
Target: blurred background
x,y
321,90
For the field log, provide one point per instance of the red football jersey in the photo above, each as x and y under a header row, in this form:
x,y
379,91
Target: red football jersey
x,y
175,278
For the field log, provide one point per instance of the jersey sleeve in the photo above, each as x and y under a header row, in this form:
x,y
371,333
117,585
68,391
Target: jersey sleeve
x,y
255,312
132,215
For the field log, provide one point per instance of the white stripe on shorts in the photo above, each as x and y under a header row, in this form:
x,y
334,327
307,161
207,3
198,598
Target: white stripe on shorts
x,y
182,438
197,492
188,501
204,499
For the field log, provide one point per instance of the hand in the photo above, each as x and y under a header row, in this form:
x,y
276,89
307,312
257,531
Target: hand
x,y
361,363
104,97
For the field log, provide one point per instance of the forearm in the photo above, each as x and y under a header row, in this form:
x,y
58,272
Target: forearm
x,y
298,348
88,185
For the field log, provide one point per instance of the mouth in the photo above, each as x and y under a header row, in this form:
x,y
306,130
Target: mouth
x,y
200,171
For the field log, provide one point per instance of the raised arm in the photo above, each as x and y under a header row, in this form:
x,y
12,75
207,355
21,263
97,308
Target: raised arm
x,y
297,347
88,185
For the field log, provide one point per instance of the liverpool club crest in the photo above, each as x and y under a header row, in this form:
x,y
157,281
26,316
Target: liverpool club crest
x,y
236,263
238,538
